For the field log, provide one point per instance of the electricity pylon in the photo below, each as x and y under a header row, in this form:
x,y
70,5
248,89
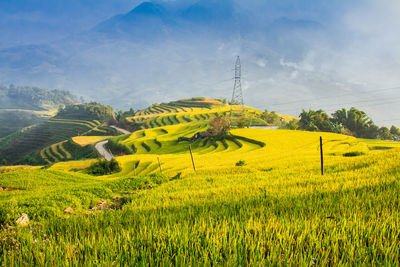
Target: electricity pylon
x,y
237,96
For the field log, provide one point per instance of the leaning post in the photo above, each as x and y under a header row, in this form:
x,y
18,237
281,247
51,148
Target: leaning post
x,y
191,155
159,164
322,155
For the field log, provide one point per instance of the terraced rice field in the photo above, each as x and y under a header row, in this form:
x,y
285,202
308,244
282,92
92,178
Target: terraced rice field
x,y
46,134
275,209
55,153
164,114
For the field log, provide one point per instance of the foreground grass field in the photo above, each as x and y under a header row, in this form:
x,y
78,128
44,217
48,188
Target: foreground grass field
x,y
275,210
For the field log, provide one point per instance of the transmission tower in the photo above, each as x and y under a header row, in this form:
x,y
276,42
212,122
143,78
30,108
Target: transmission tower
x,y
237,96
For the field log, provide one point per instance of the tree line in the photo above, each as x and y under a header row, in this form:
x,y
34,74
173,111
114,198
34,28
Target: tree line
x,y
352,122
88,111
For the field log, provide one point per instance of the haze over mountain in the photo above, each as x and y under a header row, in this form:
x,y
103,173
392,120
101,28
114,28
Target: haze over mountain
x,y
295,54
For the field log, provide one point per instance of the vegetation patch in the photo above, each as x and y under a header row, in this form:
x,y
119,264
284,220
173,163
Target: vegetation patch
x,y
354,154
117,148
380,148
103,167
241,163
259,143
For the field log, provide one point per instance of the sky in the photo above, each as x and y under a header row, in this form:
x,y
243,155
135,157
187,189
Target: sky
x,y
295,53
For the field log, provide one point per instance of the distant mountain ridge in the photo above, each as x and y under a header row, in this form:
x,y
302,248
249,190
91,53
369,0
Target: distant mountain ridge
x,y
34,98
22,106
164,50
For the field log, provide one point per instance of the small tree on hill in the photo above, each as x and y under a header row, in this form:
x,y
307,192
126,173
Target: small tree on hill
x,y
384,134
271,118
395,133
220,126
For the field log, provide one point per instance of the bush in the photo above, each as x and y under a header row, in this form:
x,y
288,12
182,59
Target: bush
x,y
354,154
117,148
198,98
103,167
220,126
241,163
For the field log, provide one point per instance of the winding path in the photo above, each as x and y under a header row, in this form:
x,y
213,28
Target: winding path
x,y
123,131
103,151
101,146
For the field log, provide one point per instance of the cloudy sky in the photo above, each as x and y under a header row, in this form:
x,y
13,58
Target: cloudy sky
x,y
296,53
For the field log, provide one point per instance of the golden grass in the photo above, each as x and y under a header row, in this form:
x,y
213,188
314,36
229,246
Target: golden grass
x,y
284,149
88,140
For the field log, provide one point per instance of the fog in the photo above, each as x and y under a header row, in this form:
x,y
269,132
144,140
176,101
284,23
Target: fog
x,y
295,54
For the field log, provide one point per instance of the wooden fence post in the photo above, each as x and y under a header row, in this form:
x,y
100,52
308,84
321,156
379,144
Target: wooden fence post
x,y
322,155
191,155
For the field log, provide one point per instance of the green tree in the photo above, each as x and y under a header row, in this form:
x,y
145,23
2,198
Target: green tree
x,y
271,118
291,125
384,134
318,121
357,122
395,132
220,126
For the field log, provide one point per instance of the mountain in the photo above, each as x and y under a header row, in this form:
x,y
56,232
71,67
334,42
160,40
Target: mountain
x,y
144,21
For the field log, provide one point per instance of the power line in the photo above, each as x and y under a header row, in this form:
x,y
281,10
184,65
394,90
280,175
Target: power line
x,y
393,101
347,94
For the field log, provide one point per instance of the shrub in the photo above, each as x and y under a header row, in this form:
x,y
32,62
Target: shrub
x,y
198,98
118,148
354,154
241,163
103,167
220,126
241,123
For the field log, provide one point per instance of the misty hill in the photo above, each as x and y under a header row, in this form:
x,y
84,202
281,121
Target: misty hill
x,y
22,106
25,145
203,35
33,98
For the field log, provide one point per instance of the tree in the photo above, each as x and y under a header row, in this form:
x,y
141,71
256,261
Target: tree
x,y
318,121
357,122
219,126
395,132
384,134
291,125
271,118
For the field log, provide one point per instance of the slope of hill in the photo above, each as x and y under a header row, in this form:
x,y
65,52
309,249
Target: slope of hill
x,y
24,106
196,109
33,98
247,198
276,204
26,145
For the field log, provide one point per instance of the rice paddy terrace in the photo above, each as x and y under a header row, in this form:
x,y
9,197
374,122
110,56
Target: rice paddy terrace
x,y
274,208
53,134
185,111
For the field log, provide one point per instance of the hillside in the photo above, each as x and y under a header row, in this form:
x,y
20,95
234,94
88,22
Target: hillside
x,y
33,98
197,109
245,198
24,106
26,146
276,204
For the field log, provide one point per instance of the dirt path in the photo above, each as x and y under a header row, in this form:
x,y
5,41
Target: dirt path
x,y
103,151
123,131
